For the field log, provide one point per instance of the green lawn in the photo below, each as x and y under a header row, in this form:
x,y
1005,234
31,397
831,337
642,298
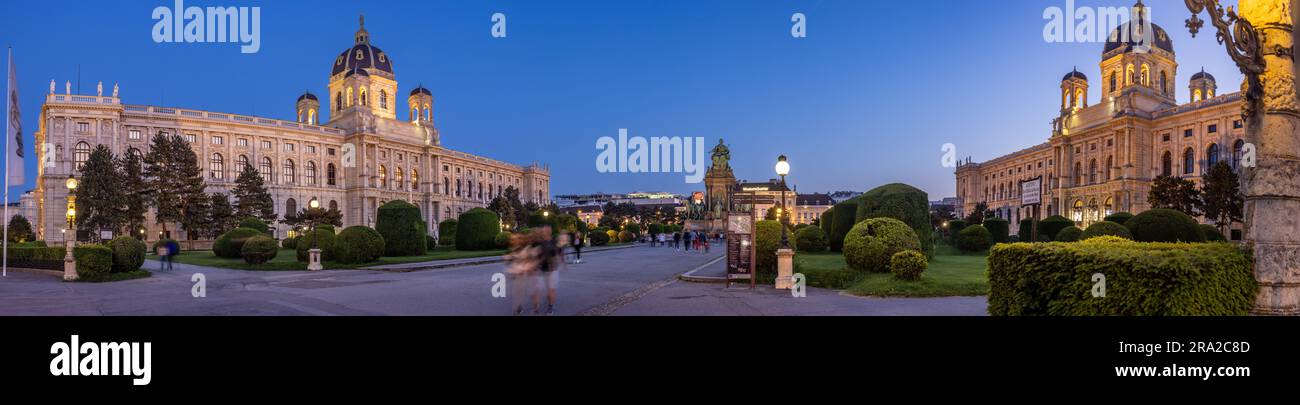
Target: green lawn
x,y
951,273
287,259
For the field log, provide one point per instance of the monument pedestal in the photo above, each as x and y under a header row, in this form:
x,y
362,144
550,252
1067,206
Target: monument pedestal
x,y
313,260
784,269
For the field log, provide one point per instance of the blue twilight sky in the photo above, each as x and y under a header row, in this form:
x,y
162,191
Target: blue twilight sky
x,y
867,98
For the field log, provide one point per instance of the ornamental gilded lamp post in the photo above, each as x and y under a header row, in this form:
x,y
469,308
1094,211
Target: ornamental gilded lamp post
x,y
784,255
70,233
782,169
313,254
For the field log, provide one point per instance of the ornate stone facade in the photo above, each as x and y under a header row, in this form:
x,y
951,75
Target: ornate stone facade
x,y
362,157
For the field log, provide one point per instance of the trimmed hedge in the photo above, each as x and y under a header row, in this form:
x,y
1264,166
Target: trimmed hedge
x,y
1212,233
326,227
325,241
954,227
974,238
810,239
358,244
598,237
870,244
93,260
767,237
1164,225
403,231
36,253
908,265
477,229
1105,228
1053,225
1024,230
128,254
827,219
998,228
447,232
902,202
290,243
843,221
230,245
625,236
1119,217
254,223
1142,279
1069,234
260,249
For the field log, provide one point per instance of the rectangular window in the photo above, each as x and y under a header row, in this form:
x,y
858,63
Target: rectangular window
x,y
383,154
1165,138
1110,143
266,145
1236,124
217,140
311,149
288,147
133,134
1214,128
329,151
83,127
242,142
1092,146
190,138
1187,133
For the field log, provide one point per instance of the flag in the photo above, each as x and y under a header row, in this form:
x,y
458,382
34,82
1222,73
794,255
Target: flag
x,y
14,130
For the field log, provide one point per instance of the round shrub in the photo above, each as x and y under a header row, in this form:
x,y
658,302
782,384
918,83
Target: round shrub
x,y
230,245
1119,217
902,202
403,230
324,240
1212,233
767,237
844,215
1105,228
954,228
128,254
93,260
810,239
326,227
259,249
1164,225
290,243
447,232
974,238
625,236
477,229
870,244
502,240
358,244
254,223
1053,225
599,238
613,236
1069,234
999,228
908,265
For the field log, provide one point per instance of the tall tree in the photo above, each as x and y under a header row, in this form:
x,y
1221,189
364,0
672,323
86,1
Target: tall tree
x,y
197,218
1221,196
135,193
505,210
99,197
223,214
20,229
251,197
976,216
1175,193
521,214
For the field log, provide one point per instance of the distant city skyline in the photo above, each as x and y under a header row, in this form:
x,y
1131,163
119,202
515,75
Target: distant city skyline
x,y
858,103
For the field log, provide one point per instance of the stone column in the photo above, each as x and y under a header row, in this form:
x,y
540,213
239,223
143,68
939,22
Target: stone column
x,y
1272,187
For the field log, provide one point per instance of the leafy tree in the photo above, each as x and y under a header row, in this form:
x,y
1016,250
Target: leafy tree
x,y
222,214
317,216
1221,195
176,182
941,214
99,197
251,197
135,192
20,229
977,215
505,210
521,214
1175,193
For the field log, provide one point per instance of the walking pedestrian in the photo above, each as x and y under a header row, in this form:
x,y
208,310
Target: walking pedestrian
x,y
548,272
677,239
686,239
521,263
578,240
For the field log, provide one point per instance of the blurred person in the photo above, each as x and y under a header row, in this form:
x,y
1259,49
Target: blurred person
x,y
548,274
686,241
522,260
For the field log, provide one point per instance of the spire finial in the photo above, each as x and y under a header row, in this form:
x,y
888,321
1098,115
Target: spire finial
x,y
363,20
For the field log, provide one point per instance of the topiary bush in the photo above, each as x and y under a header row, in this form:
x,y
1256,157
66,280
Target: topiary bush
x,y
502,240
1069,234
358,244
1053,225
1105,228
625,236
870,244
974,238
827,219
290,243
259,249
93,260
254,223
613,236
954,228
1212,233
403,231
810,239
447,232
477,229
902,202
326,227
1025,230
1164,225
230,245
599,237
324,240
1119,217
999,228
1142,279
128,254
908,265
767,237
844,214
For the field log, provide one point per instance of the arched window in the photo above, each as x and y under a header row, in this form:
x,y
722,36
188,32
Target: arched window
x,y
329,174
383,177
240,163
1196,96
1110,162
80,154
1164,83
1077,215
458,187
1128,75
349,96
338,101
1092,172
217,167
399,179
364,99
334,205
289,171
469,192
383,99
1211,156
1093,211
310,171
446,186
1078,174
480,190
1080,99
1109,207
1189,161
1146,75
290,207
1236,153
1113,85
311,116
1167,164
265,167
415,180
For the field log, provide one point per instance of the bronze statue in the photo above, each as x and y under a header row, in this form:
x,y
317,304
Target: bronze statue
x,y
721,156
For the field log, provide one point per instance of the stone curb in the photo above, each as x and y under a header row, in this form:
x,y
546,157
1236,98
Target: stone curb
x,y
471,262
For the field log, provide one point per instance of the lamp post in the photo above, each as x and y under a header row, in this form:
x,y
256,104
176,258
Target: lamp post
x,y
784,255
782,169
313,254
70,233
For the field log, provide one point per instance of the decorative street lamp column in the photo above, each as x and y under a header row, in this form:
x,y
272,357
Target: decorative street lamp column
x,y
1261,42
784,255
313,254
70,233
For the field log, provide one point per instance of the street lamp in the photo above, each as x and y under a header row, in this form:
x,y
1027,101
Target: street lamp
x,y
70,236
782,169
313,255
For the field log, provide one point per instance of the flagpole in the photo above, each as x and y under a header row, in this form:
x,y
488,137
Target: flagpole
x,y
4,268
